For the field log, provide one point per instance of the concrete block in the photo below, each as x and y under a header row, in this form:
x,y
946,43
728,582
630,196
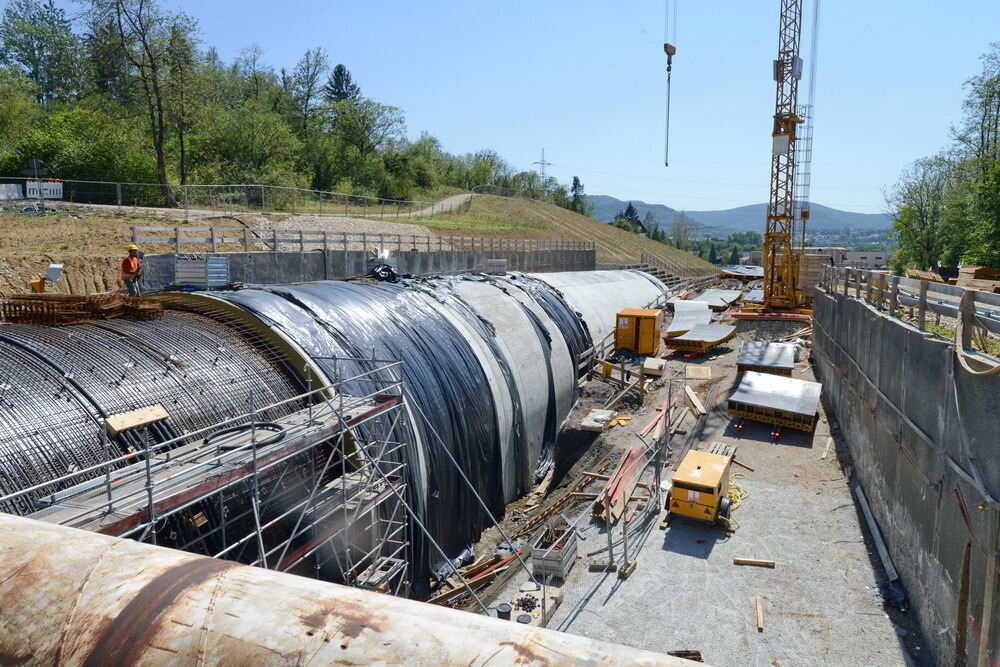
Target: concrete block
x,y
596,420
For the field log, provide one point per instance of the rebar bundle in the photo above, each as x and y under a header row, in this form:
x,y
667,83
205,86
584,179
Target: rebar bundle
x,y
61,309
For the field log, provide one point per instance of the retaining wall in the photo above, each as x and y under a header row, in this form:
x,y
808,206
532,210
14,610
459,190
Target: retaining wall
x,y
290,267
924,435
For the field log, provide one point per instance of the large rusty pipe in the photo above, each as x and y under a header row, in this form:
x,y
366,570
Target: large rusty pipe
x,y
71,597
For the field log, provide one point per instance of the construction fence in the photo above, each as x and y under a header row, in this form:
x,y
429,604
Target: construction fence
x,y
185,240
28,196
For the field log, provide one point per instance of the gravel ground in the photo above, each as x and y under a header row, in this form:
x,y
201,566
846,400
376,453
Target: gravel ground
x,y
337,225
822,602
263,225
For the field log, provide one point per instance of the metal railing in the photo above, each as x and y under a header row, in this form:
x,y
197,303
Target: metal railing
x,y
186,240
97,197
892,294
180,474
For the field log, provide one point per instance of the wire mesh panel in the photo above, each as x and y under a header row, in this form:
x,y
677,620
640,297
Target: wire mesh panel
x,y
60,380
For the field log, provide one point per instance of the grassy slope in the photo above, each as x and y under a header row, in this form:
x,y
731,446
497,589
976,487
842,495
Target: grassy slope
x,y
518,218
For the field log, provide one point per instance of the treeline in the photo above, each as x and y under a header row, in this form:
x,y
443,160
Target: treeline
x,y
946,208
130,92
683,234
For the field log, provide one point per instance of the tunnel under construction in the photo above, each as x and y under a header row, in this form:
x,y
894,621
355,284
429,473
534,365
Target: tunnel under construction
x,y
362,433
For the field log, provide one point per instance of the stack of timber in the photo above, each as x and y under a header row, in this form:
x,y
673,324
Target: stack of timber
x,y
984,278
478,575
929,276
811,270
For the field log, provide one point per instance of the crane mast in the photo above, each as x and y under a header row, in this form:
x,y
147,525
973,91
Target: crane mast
x,y
780,259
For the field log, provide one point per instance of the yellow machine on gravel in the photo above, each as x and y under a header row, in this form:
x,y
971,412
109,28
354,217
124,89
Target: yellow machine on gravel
x,y
700,488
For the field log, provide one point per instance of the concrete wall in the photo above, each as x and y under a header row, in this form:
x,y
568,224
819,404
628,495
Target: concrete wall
x,y
291,267
922,431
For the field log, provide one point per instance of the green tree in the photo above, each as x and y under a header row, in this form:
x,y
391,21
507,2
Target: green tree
x,y
916,203
734,256
628,218
250,144
340,87
578,200
649,221
182,87
142,31
713,255
984,246
36,38
746,240
367,125
306,83
18,111
682,230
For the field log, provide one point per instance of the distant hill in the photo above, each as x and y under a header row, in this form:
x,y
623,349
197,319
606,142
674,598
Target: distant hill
x,y
740,219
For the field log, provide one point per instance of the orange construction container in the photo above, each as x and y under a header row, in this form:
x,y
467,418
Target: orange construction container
x,y
638,331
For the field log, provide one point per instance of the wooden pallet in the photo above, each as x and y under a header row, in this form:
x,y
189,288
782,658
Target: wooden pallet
x,y
722,449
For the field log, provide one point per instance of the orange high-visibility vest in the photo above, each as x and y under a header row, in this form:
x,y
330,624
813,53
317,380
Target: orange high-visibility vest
x,y
130,268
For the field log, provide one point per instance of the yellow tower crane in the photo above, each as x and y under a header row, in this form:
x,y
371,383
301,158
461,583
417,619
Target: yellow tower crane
x,y
781,256
788,206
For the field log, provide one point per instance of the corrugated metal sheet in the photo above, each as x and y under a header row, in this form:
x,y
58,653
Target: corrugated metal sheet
x,y
202,272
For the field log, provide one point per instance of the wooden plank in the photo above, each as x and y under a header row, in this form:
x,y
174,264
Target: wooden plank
x,y
124,421
696,405
614,401
653,422
759,603
753,561
883,552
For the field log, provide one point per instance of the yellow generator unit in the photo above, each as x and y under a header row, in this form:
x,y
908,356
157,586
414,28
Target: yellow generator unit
x,y
700,488
638,331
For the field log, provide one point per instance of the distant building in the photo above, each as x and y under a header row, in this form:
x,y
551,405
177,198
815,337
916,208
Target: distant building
x,y
840,256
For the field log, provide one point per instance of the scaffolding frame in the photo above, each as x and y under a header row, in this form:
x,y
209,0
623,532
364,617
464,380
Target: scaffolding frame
x,y
323,486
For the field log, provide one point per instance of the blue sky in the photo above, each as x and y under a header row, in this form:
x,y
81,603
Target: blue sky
x,y
586,81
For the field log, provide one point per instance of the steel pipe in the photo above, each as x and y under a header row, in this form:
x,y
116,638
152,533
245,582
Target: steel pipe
x,y
76,598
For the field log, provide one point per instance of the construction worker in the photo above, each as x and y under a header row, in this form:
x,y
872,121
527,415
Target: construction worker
x,y
131,270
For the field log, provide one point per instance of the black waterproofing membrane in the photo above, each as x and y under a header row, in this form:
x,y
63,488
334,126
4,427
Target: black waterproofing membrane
x,y
489,369
442,379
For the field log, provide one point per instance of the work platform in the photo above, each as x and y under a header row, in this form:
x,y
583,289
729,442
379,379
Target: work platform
x,y
765,357
322,486
701,338
778,400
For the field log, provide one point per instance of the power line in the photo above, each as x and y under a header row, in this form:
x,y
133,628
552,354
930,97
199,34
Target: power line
x,y
543,164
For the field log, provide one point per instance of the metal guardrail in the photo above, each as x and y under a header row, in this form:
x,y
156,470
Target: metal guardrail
x,y
229,239
213,199
889,294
